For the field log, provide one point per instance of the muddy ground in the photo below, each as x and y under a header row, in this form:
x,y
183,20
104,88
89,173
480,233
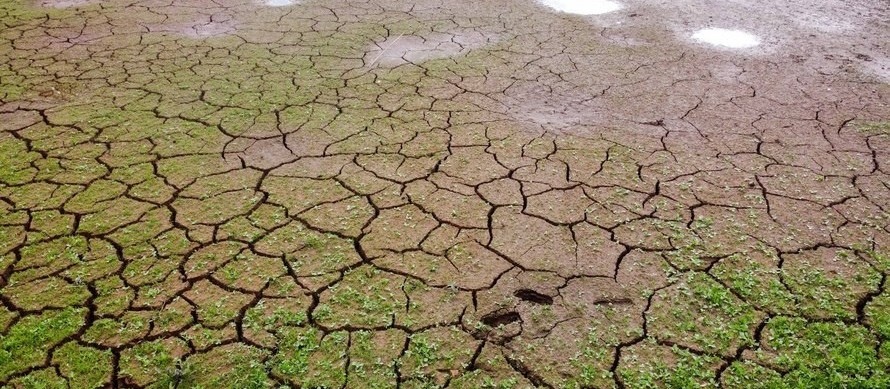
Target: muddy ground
x,y
484,194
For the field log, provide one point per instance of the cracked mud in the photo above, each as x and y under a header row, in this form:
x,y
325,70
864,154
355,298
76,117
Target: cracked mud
x,y
486,194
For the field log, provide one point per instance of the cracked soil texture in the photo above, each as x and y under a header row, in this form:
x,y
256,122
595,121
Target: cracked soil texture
x,y
426,194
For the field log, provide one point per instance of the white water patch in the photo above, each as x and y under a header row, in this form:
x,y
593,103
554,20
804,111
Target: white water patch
x,y
734,39
64,3
278,3
415,49
878,66
583,7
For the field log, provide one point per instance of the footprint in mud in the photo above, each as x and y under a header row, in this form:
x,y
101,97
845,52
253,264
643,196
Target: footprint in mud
x,y
497,319
533,297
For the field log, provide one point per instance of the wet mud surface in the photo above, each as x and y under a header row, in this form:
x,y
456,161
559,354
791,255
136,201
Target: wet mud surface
x,y
487,194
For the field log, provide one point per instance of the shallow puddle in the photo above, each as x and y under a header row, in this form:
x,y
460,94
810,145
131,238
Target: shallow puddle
x,y
583,7
64,3
734,39
278,3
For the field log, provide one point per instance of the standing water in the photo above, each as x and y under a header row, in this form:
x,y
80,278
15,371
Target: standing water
x,y
727,38
583,7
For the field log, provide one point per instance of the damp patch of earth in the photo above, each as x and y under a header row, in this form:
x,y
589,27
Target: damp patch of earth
x,y
401,49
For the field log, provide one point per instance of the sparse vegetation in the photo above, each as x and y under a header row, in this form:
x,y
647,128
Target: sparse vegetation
x,y
242,196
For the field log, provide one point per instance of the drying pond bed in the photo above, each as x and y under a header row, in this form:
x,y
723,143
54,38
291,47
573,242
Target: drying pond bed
x,y
425,194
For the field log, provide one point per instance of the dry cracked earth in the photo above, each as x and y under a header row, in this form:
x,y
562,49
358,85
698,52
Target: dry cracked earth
x,y
461,194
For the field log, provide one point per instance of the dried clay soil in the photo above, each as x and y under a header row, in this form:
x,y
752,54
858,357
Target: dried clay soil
x,y
463,194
